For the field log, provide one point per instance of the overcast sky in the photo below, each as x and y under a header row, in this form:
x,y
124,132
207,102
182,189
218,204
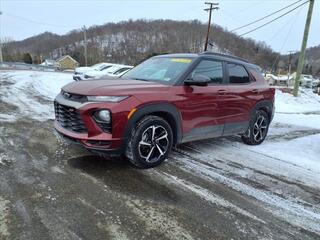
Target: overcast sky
x,y
22,18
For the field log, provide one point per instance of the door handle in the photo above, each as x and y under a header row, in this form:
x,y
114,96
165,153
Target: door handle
x,y
255,91
222,92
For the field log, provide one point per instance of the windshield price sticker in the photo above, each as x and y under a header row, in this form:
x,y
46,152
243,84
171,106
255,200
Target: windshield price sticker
x,y
181,60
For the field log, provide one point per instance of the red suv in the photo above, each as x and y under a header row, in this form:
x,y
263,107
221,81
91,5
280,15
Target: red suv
x,y
164,101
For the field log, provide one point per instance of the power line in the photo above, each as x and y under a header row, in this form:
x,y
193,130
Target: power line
x,y
284,42
35,22
238,12
285,25
286,13
258,20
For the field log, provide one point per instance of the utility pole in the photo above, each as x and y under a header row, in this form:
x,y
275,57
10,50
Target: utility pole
x,y
211,7
303,49
85,45
1,58
289,66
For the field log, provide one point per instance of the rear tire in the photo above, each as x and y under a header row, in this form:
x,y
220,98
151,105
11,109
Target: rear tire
x,y
258,128
150,142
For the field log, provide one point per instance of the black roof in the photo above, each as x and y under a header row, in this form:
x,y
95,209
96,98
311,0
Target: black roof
x,y
220,56
224,55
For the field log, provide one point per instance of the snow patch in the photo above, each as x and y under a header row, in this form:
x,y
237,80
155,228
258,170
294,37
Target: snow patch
x,y
298,215
307,101
156,220
32,92
4,214
303,151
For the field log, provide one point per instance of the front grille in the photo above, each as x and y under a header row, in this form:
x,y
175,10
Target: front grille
x,y
104,126
69,118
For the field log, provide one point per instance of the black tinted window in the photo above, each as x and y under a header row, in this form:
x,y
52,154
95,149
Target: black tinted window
x,y
121,70
104,68
237,74
210,68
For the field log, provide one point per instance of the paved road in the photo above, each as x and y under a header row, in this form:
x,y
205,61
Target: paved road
x,y
52,190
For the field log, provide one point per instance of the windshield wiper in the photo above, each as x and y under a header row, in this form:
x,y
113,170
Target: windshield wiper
x,y
140,79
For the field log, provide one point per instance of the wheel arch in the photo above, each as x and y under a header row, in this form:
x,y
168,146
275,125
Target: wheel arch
x,y
266,106
166,111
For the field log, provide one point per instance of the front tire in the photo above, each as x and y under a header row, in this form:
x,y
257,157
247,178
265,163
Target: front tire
x,y
258,128
150,142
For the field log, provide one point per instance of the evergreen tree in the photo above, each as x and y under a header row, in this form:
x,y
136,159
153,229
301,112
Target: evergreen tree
x,y
27,58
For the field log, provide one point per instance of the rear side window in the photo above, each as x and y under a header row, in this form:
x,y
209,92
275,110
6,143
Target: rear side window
x,y
237,74
210,68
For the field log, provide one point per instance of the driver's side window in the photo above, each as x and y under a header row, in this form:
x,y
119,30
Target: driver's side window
x,y
209,68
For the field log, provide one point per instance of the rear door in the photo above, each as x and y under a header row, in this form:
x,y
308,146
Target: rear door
x,y
202,107
241,94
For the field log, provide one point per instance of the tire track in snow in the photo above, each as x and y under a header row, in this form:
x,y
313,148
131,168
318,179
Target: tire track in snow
x,y
208,196
260,176
291,212
227,152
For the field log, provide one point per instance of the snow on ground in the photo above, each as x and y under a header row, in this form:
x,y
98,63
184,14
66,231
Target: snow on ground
x,y
301,114
30,91
303,151
282,174
298,119
305,102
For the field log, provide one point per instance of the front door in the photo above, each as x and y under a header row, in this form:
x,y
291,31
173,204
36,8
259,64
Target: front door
x,y
202,107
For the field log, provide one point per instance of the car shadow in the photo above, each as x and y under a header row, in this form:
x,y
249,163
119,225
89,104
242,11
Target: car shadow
x,y
120,176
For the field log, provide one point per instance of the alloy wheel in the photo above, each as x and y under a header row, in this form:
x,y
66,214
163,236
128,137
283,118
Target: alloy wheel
x,y
260,128
154,143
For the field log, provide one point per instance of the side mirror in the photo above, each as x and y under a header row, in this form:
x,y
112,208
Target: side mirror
x,y
198,80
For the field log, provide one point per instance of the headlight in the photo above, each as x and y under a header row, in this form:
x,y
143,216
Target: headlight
x,y
106,98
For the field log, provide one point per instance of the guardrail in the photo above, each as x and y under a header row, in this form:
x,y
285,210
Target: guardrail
x,y
25,66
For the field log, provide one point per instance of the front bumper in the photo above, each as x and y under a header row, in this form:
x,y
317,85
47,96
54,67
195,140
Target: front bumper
x,y
105,148
76,78
94,139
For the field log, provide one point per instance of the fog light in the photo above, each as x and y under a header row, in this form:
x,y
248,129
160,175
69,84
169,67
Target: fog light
x,y
103,115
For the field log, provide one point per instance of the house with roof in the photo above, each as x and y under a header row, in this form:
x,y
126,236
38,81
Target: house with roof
x,y
66,62
279,79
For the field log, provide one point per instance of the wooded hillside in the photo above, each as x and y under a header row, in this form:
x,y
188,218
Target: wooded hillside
x,y
131,42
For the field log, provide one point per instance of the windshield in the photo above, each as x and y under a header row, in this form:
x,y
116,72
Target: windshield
x,y
159,69
104,67
111,69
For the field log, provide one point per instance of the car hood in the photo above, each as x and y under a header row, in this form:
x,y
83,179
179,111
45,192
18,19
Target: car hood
x,y
95,73
83,69
114,87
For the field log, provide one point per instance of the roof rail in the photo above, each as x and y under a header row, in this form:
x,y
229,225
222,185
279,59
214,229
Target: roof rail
x,y
224,55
